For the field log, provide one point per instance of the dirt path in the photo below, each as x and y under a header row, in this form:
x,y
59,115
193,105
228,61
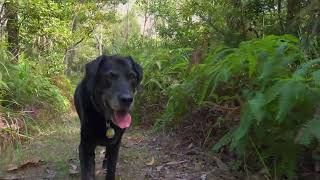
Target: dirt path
x,y
143,155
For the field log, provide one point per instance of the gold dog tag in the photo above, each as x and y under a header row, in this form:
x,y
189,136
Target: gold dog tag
x,y
110,132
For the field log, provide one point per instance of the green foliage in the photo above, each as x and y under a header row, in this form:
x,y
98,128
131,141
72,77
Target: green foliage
x,y
26,87
280,89
29,99
163,68
126,34
310,131
281,96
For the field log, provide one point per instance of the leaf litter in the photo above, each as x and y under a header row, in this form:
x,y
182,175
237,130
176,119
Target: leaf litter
x,y
146,156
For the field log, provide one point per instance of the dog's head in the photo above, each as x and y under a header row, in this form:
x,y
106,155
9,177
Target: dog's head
x,y
112,82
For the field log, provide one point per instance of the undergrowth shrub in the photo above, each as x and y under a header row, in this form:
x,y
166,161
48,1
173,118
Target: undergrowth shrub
x,y
277,89
29,98
65,86
162,68
26,87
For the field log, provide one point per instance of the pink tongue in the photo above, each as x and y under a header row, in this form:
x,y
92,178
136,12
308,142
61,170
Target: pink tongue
x,y
122,120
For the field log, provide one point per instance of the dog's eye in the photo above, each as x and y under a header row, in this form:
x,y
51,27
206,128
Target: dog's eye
x,y
132,76
112,76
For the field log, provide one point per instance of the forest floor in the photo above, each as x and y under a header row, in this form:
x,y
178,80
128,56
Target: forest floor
x,y
143,155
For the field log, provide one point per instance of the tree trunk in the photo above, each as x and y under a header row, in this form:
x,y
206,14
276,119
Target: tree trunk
x,y
100,45
144,27
280,16
2,20
99,39
146,17
70,51
236,24
293,19
127,26
11,14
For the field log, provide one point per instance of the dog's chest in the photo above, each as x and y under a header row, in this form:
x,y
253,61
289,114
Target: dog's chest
x,y
100,135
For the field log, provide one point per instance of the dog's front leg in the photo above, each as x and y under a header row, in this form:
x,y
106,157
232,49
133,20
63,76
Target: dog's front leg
x,y
112,158
87,163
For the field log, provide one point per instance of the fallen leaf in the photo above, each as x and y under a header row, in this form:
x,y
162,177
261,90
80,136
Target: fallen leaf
x,y
30,162
140,140
101,172
203,176
73,170
74,167
12,167
175,162
151,162
220,164
34,161
50,173
2,125
158,168
176,145
190,145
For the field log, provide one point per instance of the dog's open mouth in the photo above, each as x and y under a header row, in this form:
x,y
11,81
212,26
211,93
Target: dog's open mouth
x,y
122,119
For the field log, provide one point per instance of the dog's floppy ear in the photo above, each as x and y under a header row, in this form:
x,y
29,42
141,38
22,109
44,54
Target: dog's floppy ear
x,y
137,69
91,71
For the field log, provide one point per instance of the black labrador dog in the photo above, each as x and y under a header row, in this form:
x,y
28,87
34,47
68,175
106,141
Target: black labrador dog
x,y
103,101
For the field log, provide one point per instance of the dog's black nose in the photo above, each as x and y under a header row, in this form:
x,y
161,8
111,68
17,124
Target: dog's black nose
x,y
126,99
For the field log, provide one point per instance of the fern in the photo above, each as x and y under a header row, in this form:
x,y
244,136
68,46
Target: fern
x,y
310,131
270,115
256,106
290,92
281,92
316,77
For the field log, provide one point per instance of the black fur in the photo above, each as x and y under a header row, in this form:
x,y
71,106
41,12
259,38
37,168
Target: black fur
x,y
93,103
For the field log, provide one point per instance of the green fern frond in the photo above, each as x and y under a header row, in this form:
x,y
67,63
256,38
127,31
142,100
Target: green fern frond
x,y
316,77
247,120
226,139
303,70
310,131
278,85
290,93
256,107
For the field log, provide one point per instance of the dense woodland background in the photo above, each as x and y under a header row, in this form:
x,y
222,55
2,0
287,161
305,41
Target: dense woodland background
x,y
239,77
